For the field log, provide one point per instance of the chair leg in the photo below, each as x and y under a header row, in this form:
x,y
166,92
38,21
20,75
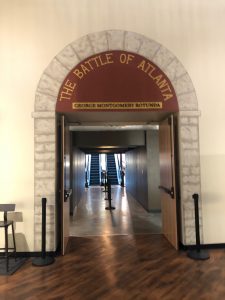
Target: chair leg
x,y
6,249
14,241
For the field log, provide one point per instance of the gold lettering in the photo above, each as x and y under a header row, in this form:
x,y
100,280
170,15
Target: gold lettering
x,y
70,84
109,58
84,69
89,63
78,73
152,70
162,84
67,90
123,58
167,96
116,105
141,65
126,58
101,61
157,79
95,60
130,57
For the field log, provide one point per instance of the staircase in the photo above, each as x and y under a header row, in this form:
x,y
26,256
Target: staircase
x,y
111,169
94,170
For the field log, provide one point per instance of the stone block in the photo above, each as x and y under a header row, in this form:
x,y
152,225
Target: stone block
x,y
187,191
184,120
50,204
44,126
189,223
50,165
163,58
83,47
188,214
195,170
183,85
45,174
39,147
49,86
191,179
193,121
149,48
185,171
49,219
190,158
189,236
56,70
44,138
49,228
50,147
39,165
44,187
115,39
43,156
189,133
187,145
133,42
50,244
188,101
174,69
44,102
99,41
50,209
68,57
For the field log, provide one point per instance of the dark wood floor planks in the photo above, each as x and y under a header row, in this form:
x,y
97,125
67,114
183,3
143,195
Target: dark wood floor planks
x,y
120,267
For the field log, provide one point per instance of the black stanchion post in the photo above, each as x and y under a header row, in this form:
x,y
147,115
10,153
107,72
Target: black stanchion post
x,y
197,253
86,180
106,184
110,207
122,178
44,260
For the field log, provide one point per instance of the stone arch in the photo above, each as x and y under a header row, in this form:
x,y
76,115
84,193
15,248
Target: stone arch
x,y
45,129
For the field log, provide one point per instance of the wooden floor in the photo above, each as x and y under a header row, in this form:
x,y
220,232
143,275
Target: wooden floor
x,y
120,267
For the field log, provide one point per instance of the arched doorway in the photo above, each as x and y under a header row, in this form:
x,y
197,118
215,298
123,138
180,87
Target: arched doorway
x,y
45,120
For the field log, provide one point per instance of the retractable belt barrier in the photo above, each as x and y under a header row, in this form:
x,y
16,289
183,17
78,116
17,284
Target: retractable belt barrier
x,y
44,260
110,207
197,253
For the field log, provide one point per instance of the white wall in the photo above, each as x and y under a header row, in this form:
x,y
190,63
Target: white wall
x,y
33,32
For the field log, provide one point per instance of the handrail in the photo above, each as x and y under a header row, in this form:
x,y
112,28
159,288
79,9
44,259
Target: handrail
x,y
118,168
169,191
88,168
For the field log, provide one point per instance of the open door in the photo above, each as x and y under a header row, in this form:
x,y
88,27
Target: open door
x,y
65,184
167,181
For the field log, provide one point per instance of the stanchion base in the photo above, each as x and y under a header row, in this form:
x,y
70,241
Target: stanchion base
x,y
110,208
198,255
43,261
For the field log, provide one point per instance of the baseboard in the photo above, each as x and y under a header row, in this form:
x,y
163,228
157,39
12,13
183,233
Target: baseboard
x,y
31,254
204,246
155,210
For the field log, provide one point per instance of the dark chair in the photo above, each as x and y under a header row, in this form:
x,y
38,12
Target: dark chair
x,y
5,224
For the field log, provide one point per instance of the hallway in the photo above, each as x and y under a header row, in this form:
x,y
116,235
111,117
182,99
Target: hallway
x,y
129,217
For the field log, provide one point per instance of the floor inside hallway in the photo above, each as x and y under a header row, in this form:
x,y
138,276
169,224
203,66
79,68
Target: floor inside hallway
x,y
129,217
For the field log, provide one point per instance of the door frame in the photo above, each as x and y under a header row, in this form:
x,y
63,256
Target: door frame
x,y
106,127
